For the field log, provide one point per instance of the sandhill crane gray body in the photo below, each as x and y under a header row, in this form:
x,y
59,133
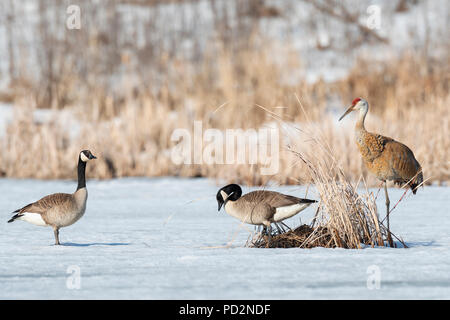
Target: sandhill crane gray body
x,y
387,159
259,207
59,209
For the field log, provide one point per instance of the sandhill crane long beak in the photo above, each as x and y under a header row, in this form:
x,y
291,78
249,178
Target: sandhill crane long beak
x,y
350,109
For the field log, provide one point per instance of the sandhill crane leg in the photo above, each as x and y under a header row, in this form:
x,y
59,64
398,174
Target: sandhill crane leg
x,y
56,233
388,202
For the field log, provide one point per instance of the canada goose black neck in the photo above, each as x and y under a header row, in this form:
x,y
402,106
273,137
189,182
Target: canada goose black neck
x,y
81,174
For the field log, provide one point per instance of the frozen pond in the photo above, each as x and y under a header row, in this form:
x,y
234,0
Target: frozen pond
x,y
164,239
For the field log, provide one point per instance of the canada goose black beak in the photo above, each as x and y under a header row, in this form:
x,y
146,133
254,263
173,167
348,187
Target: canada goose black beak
x,y
91,156
350,109
220,204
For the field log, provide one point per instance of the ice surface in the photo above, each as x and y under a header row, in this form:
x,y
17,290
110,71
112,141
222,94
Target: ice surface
x,y
164,239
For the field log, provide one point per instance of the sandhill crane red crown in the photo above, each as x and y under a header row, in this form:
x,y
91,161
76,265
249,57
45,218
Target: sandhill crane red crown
x,y
384,157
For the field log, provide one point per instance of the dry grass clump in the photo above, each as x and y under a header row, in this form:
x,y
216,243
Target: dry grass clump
x,y
300,237
344,220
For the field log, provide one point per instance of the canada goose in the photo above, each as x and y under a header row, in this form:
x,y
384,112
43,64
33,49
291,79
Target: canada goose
x,y
259,207
59,209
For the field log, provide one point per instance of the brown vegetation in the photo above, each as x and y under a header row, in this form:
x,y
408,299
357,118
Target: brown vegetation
x,y
128,99
134,140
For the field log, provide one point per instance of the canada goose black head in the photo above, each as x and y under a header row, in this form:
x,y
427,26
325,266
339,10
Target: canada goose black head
x,y
230,192
86,155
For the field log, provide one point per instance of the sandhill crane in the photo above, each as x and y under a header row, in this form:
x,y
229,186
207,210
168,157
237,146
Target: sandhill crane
x,y
384,157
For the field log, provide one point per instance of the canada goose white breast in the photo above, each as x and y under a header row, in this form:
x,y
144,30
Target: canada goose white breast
x,y
73,213
232,210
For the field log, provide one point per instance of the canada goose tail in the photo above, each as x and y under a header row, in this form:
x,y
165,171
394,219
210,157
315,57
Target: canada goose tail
x,y
16,216
23,209
19,213
307,201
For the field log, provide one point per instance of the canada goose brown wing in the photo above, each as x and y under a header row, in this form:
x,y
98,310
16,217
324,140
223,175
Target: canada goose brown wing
x,y
253,207
47,202
274,199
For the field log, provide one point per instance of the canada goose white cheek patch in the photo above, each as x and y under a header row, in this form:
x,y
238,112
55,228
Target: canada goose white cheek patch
x,y
33,218
224,195
83,157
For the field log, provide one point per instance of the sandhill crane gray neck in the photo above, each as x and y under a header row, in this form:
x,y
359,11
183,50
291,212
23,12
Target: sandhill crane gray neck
x,y
384,157
259,207
59,209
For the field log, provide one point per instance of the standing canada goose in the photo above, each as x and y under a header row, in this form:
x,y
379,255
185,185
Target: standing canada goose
x,y
259,207
59,209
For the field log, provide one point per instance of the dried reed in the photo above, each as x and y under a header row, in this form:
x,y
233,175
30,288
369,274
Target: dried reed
x,y
132,137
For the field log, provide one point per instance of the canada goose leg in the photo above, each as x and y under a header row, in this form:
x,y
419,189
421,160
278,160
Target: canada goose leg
x,y
280,231
268,227
388,202
282,226
56,233
285,225
259,231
